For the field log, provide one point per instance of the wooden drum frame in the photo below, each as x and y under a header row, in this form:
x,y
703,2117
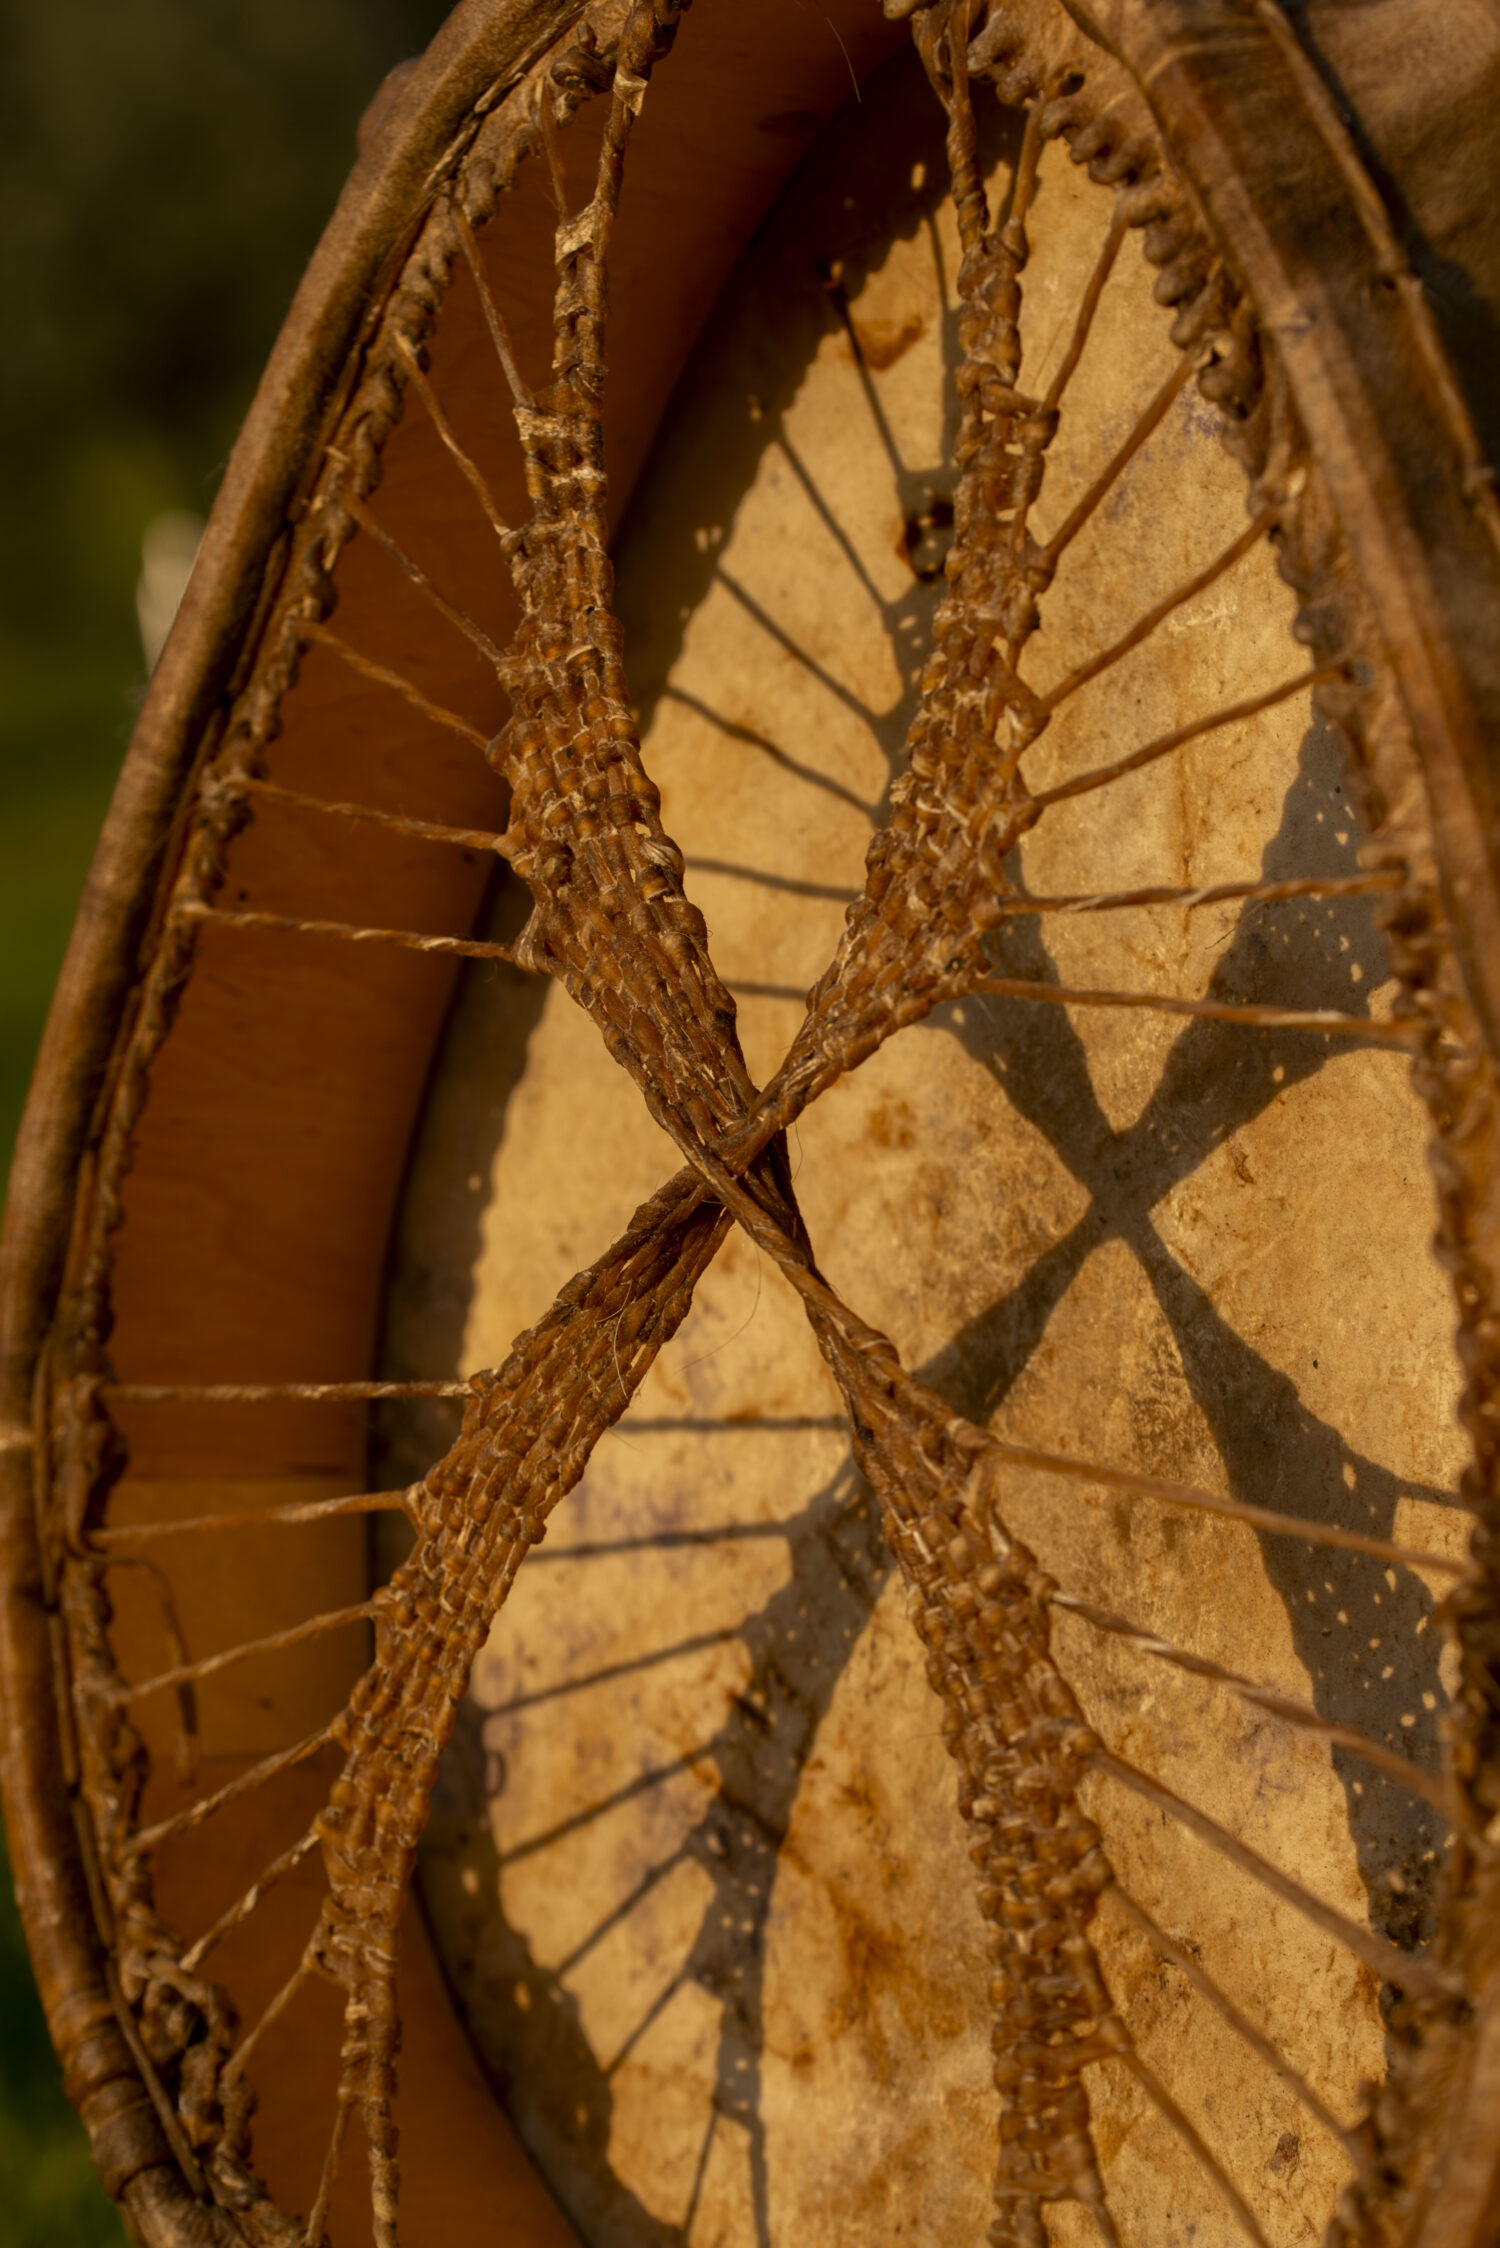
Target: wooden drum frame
x,y
214,1187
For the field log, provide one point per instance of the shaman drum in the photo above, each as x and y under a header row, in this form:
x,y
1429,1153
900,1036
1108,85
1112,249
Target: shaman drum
x,y
995,1729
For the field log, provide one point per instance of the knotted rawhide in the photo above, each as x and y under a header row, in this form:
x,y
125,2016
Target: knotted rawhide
x,y
935,879
610,919
1012,1725
525,1442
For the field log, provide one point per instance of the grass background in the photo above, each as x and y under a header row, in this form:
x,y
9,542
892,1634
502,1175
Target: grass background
x,y
165,169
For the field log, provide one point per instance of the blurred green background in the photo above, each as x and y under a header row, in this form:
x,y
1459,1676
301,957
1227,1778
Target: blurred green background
x,y
165,168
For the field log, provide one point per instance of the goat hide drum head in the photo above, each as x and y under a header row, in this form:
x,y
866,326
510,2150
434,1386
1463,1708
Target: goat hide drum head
x,y
696,1870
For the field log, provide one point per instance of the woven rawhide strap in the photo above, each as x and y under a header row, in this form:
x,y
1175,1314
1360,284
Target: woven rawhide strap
x,y
612,923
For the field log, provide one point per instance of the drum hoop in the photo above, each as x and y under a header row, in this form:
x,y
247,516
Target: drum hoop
x,y
414,149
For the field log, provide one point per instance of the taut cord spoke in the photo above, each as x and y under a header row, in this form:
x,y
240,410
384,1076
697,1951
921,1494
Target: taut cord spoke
x,y
1182,1959
475,634
323,636
1217,893
494,320
1142,630
444,428
111,1535
244,1905
317,2223
1400,1768
1103,484
1322,1021
1418,1976
185,1674
400,823
239,2059
270,1768
1088,306
274,1393
1186,2130
1331,1534
1104,776
410,940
